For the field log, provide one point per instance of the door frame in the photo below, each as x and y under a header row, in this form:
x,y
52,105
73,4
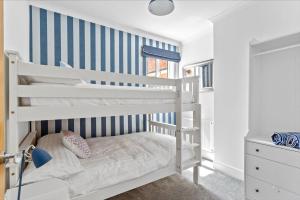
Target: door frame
x,y
2,101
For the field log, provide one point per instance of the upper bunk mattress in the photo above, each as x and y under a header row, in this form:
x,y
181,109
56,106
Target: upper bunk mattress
x,y
49,101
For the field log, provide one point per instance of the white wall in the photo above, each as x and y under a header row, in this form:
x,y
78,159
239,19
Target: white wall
x,y
16,27
232,34
198,48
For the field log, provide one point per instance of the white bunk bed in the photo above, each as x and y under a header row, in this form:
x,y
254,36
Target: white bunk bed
x,y
160,95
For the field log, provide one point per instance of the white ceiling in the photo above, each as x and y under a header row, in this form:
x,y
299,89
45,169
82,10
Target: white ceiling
x,y
190,17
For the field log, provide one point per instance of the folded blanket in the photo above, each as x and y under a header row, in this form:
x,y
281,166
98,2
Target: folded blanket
x,y
279,138
293,140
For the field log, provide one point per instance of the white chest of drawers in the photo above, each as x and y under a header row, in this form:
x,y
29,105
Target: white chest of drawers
x,y
271,172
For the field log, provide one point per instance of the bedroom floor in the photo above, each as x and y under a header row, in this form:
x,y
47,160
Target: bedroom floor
x,y
213,186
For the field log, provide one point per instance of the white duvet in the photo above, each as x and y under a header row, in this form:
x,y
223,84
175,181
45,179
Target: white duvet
x,y
122,158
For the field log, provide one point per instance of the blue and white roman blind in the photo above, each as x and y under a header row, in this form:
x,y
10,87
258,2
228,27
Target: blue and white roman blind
x,y
55,37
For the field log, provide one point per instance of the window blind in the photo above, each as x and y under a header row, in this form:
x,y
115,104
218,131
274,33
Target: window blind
x,y
161,53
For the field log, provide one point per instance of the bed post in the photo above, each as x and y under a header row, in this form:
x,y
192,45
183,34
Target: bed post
x,y
178,132
197,123
12,133
33,128
149,122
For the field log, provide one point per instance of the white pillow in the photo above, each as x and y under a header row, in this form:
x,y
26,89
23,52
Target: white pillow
x,y
62,165
76,144
66,65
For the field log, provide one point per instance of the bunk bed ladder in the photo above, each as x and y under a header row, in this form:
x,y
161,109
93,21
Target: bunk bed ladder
x,y
197,129
193,133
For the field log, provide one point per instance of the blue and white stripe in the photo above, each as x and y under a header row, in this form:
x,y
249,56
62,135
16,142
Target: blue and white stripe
x,y
55,37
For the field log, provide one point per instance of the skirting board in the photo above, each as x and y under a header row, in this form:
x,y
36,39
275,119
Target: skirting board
x,y
229,170
208,154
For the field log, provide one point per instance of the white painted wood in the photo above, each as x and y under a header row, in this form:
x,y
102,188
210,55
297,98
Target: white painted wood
x,y
33,126
197,126
128,185
28,69
277,50
277,44
192,163
164,125
282,175
274,86
71,91
30,139
12,133
13,104
274,102
197,139
259,190
179,110
268,150
36,113
44,190
52,112
191,131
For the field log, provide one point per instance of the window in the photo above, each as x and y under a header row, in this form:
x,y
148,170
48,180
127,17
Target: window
x,y
204,70
151,67
160,68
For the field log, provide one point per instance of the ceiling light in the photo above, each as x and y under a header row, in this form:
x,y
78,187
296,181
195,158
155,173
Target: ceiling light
x,y
161,7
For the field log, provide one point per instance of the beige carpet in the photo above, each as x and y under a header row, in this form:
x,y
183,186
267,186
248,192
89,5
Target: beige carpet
x,y
174,187
213,186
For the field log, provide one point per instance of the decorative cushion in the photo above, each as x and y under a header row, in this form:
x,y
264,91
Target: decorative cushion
x,y
76,144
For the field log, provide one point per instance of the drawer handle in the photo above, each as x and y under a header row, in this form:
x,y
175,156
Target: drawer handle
x,y
257,168
257,190
257,150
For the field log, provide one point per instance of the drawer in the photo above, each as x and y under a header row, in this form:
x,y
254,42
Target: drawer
x,y
284,176
280,154
259,190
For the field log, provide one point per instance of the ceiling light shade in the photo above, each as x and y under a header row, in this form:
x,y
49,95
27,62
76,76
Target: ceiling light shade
x,y
161,7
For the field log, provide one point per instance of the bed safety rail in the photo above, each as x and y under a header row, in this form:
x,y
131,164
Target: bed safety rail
x,y
36,70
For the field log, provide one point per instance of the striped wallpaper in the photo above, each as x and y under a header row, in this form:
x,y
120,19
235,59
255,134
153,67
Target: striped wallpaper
x,y
55,37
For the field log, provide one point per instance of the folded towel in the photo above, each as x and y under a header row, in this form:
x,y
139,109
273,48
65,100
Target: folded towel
x,y
279,138
293,140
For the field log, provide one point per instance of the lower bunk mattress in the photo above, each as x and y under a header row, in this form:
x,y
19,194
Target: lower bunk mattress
x,y
113,160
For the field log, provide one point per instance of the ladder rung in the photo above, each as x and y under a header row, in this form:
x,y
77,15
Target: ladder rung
x,y
194,145
190,163
184,147
193,130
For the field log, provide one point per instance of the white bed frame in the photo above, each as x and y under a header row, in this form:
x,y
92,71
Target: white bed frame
x,y
20,114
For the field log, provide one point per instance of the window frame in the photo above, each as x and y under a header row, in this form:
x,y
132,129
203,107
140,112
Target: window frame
x,y
158,70
196,68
